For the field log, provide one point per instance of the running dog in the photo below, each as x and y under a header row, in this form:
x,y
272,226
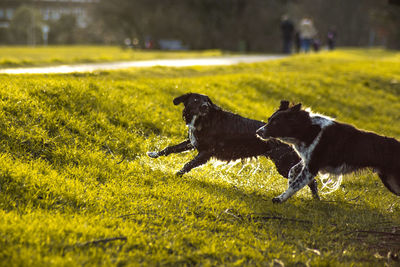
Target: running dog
x,y
216,133
327,146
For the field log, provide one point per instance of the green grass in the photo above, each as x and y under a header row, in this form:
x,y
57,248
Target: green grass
x,y
74,170
21,56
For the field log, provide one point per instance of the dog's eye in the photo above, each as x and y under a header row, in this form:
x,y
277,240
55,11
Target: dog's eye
x,y
196,100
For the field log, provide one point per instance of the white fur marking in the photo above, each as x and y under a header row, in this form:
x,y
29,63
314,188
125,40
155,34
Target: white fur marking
x,y
320,119
192,128
152,154
302,179
304,151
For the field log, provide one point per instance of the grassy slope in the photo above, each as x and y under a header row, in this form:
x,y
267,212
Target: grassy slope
x,y
12,56
74,169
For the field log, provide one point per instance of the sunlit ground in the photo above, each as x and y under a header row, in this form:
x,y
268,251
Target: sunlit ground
x,y
20,56
76,186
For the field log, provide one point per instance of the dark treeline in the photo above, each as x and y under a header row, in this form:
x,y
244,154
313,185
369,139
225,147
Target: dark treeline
x,y
251,25
200,24
245,25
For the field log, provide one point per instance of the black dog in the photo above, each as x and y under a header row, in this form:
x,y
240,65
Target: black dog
x,y
331,147
226,136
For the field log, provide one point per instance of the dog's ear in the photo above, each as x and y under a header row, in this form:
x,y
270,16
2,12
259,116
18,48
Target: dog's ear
x,y
215,107
284,105
296,107
181,99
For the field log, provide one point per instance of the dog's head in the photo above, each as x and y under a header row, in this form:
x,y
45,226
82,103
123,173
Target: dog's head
x,y
287,123
195,104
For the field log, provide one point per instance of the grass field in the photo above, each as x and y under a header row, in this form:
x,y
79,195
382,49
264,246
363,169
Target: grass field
x,y
14,56
76,186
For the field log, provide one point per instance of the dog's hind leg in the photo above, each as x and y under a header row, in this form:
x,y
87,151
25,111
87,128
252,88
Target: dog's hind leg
x,y
313,185
391,181
200,159
184,146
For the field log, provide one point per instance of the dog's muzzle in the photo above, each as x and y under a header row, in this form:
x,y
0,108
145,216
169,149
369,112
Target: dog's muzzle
x,y
203,110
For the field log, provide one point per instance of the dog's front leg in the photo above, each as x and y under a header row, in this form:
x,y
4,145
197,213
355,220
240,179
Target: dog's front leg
x,y
304,178
295,171
200,159
184,146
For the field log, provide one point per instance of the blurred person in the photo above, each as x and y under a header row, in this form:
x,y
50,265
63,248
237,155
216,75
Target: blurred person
x,y
148,43
297,41
127,43
287,29
316,44
331,38
307,33
135,43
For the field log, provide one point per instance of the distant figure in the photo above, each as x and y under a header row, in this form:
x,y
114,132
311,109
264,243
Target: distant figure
x,y
297,41
135,43
307,32
148,43
287,29
316,44
331,39
127,43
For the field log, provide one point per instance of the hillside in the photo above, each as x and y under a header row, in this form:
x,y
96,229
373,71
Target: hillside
x,y
22,56
76,186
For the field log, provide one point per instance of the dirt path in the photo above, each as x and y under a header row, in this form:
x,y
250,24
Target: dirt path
x,y
90,67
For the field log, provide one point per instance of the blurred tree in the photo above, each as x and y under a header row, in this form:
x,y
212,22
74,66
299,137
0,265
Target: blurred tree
x,y
63,30
251,25
4,36
392,20
245,25
225,24
25,26
124,18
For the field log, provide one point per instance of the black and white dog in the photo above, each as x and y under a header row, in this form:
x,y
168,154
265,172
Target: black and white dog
x,y
325,145
226,136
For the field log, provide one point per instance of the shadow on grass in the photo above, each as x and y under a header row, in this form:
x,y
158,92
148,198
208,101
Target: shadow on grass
x,y
304,209
350,223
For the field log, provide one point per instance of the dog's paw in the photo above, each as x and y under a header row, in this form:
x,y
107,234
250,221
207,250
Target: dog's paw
x,y
316,197
153,154
180,173
277,200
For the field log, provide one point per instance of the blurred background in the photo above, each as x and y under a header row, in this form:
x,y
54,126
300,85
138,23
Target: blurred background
x,y
235,25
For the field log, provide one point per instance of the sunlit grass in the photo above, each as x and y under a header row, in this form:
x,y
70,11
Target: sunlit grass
x,y
19,56
76,187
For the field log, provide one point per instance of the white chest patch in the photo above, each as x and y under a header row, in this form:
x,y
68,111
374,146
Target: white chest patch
x,y
304,151
192,128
